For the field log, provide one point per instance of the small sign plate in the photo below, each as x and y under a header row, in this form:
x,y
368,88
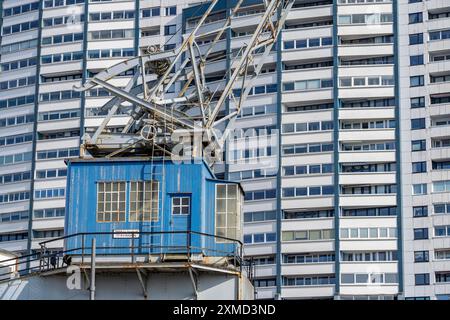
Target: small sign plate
x,y
125,234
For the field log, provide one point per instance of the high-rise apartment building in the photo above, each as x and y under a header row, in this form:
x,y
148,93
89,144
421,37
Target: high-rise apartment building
x,y
347,197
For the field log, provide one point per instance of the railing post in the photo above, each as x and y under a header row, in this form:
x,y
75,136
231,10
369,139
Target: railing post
x,y
92,285
188,244
132,247
82,248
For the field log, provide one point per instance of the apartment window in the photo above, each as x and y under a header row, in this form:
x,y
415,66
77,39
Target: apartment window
x,y
419,188
416,81
309,280
171,11
259,216
49,193
441,186
13,236
420,233
418,123
442,254
422,279
421,256
420,211
418,145
111,199
227,213
416,38
260,195
415,17
181,205
308,258
265,282
21,9
15,158
416,60
170,29
442,231
315,214
370,256
440,35
144,200
13,216
260,238
21,27
15,177
418,167
441,208
350,278
48,234
51,173
418,102
307,235
442,277
49,213
366,233
151,12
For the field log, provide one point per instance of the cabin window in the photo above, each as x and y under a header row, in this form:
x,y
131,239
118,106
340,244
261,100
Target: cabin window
x,y
111,201
228,202
144,200
181,205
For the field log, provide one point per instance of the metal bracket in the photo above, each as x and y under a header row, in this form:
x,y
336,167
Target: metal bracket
x,y
143,276
194,279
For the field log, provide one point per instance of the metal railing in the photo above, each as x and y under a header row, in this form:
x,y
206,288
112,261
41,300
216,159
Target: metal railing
x,y
187,245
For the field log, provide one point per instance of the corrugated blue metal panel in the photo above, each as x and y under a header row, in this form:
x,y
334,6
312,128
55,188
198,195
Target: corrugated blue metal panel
x,y
193,180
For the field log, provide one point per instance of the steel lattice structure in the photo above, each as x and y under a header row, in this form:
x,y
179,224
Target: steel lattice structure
x,y
195,108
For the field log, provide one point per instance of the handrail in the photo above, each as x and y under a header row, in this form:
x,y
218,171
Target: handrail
x,y
139,232
43,260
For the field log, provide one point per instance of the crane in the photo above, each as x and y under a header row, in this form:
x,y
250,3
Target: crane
x,y
160,120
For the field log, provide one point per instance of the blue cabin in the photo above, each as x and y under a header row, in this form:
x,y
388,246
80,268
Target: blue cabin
x,y
151,207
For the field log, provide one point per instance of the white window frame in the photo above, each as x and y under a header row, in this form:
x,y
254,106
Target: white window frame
x,y
153,216
120,212
180,206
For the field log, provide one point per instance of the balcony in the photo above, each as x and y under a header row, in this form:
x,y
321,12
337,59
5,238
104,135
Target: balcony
x,y
56,68
307,137
366,135
367,178
308,13
369,156
368,245
369,289
440,153
366,113
439,131
366,92
308,95
265,271
305,224
307,246
361,200
292,269
307,202
307,292
307,54
265,292
363,267
365,29
439,45
361,50
260,249
58,125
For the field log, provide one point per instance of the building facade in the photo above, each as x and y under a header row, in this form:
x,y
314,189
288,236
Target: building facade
x,y
346,194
